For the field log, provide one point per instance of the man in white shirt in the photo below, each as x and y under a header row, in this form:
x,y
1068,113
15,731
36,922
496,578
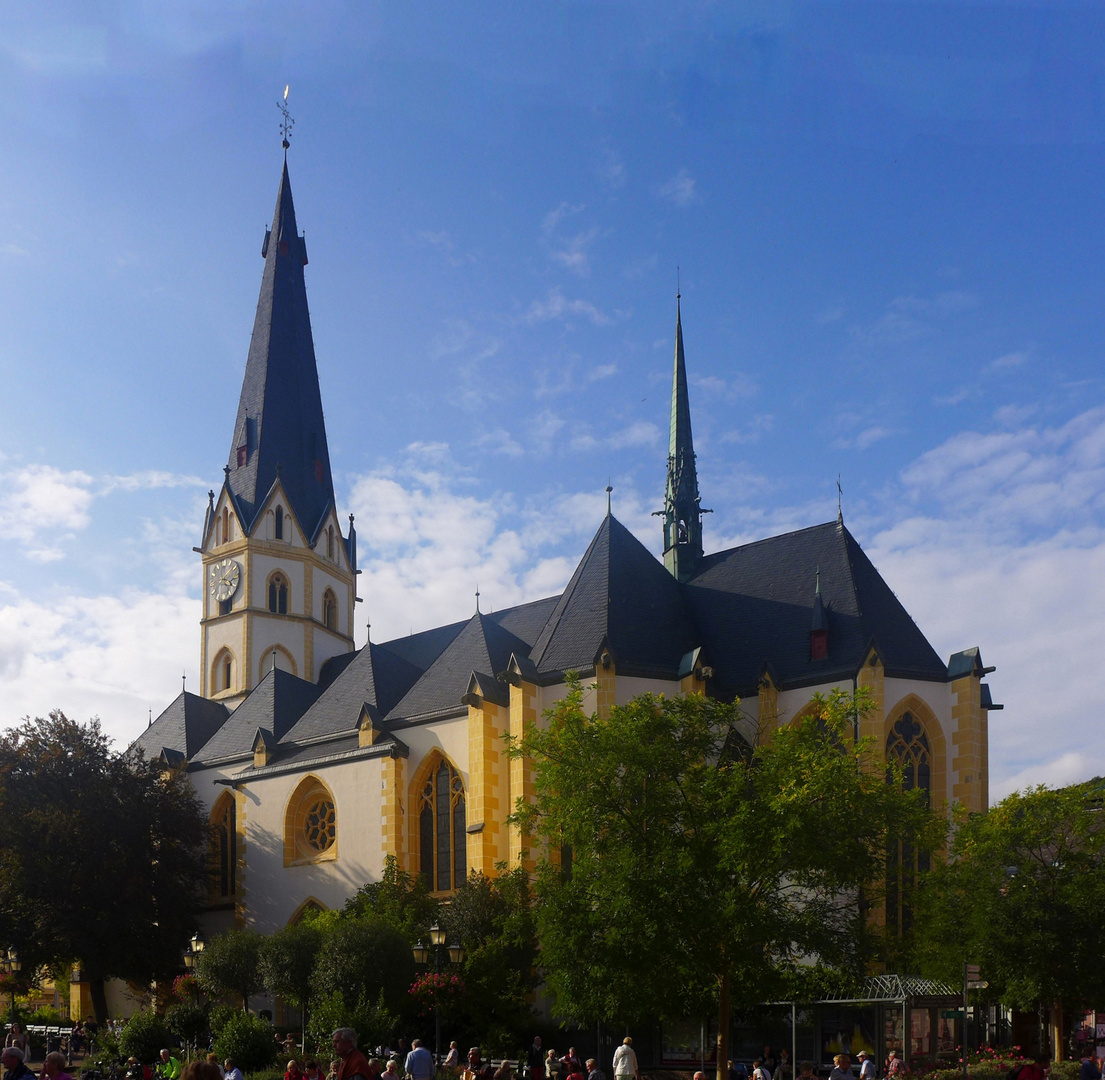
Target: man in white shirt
x,y
625,1061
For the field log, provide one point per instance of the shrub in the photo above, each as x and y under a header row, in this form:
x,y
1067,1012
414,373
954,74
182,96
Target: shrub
x,y
47,1014
1065,1070
374,1024
187,1020
248,1040
218,1016
144,1036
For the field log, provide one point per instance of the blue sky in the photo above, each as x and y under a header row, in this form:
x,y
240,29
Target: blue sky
x,y
889,227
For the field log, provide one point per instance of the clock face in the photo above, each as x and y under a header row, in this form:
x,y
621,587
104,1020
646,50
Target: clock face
x,y
225,576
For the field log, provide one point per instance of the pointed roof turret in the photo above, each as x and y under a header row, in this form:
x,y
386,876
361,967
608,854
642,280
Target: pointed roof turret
x,y
682,511
279,431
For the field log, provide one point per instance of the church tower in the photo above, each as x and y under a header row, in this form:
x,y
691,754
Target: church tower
x,y
279,576
682,512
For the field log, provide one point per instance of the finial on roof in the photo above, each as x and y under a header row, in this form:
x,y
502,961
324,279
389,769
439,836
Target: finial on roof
x,y
287,123
183,681
149,722
839,500
368,630
211,497
350,519
477,597
226,472
609,490
817,582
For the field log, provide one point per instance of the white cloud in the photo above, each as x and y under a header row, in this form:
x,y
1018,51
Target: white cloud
x,y
44,506
573,255
1006,551
557,306
551,221
611,169
639,433
1009,360
603,371
681,189
500,441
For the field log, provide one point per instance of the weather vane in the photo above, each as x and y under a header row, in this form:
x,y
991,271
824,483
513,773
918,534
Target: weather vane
x,y
288,123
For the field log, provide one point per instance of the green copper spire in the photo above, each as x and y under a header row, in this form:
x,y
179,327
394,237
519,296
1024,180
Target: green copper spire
x,y
682,513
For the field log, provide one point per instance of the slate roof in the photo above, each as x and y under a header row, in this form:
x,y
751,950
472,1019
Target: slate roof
x,y
754,605
280,409
184,727
375,677
483,645
273,705
622,596
748,609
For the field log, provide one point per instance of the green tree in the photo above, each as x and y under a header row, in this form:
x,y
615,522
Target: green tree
x,y
101,855
1022,895
230,964
398,898
362,959
288,960
704,871
492,918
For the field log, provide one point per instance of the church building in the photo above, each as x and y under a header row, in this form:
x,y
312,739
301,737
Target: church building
x,y
316,761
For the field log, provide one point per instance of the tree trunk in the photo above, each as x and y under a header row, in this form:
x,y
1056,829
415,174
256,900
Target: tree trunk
x,y
99,998
723,1028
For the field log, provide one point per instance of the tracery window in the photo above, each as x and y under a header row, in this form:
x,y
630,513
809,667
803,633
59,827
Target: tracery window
x,y
311,823
442,829
223,848
908,744
278,594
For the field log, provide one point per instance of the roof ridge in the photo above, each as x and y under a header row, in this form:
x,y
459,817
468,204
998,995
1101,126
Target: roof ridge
x,y
770,539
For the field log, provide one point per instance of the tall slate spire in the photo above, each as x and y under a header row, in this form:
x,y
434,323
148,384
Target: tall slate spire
x,y
280,430
682,512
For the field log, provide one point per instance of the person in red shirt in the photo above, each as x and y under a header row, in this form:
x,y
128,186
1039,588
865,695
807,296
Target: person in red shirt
x,y
354,1066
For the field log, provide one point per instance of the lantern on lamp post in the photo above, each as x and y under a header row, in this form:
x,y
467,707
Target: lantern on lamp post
x,y
422,957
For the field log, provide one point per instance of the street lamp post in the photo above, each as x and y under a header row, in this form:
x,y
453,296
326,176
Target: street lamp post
x,y
422,956
12,965
191,955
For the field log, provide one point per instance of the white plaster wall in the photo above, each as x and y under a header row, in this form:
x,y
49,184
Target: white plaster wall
x,y
791,702
626,688
449,736
273,892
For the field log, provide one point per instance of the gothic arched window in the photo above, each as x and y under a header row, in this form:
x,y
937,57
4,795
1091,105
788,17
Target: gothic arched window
x,y
310,823
442,829
330,542
222,671
280,523
223,848
329,610
278,594
908,744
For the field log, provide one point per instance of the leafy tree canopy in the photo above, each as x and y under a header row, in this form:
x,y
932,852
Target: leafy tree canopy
x,y
101,854
703,870
361,959
493,919
1022,895
398,898
230,964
